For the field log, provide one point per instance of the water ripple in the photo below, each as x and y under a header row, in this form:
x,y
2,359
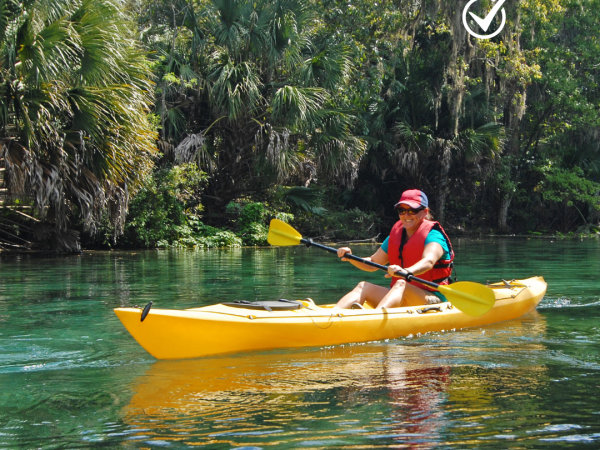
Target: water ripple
x,y
562,302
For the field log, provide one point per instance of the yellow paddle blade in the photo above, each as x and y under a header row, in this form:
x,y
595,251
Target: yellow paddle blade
x,y
473,299
280,233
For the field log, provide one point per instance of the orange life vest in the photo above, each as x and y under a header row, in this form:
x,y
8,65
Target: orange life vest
x,y
405,252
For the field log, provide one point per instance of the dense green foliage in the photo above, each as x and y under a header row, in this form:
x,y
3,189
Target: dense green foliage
x,y
75,92
252,92
559,155
321,111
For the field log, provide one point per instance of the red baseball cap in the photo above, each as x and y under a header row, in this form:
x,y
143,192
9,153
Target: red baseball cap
x,y
413,198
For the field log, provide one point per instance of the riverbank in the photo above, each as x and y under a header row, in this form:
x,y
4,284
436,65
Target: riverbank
x,y
366,242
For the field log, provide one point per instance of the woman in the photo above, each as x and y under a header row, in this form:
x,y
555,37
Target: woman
x,y
416,246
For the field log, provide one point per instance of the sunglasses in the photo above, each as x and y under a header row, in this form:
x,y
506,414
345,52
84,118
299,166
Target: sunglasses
x,y
410,212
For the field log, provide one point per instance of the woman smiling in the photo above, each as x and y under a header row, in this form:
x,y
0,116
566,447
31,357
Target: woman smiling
x,y
417,246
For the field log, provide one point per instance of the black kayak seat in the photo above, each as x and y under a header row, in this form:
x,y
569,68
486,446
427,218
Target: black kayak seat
x,y
270,305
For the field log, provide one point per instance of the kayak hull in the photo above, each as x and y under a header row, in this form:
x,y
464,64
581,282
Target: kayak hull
x,y
219,329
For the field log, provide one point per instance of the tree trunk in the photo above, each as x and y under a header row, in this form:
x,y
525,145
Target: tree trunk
x,y
442,191
440,205
513,117
503,214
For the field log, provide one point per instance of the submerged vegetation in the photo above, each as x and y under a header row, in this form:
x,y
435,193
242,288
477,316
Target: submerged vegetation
x,y
193,122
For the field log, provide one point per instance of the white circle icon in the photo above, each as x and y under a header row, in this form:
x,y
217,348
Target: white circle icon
x,y
484,23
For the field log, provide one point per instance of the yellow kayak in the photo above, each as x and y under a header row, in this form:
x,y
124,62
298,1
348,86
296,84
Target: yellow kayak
x,y
250,326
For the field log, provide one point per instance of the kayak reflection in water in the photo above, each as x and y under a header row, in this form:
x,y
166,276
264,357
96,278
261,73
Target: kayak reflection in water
x,y
416,245
418,398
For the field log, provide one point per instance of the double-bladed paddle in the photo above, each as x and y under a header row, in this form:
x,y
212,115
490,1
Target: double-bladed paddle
x,y
473,299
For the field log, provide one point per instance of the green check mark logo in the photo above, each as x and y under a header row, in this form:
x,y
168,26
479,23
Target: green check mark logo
x,y
487,20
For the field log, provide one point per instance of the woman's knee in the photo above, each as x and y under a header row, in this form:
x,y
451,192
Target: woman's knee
x,y
360,286
400,284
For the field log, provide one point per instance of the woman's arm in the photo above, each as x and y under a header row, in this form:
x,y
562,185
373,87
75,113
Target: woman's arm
x,y
379,257
431,254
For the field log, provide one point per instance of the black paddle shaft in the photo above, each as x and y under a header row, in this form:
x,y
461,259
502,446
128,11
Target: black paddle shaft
x,y
406,276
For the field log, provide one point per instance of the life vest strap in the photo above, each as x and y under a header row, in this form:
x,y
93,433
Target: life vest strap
x,y
441,280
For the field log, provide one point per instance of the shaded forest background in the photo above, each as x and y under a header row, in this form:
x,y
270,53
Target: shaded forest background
x,y
152,123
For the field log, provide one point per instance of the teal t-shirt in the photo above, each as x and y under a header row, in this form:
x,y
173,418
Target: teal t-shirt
x,y
433,236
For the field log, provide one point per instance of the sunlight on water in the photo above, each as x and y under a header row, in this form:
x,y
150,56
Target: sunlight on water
x,y
565,303
72,377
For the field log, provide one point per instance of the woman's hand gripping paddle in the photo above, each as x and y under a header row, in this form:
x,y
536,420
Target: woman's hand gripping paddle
x,y
473,299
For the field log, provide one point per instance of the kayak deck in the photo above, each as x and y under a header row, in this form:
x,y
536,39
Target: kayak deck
x,y
219,328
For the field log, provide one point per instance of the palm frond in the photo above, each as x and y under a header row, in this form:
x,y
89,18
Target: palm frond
x,y
228,29
75,130
337,150
5,16
280,152
304,198
194,147
236,88
484,141
298,107
328,69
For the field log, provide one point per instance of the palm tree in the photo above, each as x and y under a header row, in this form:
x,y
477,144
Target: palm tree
x,y
249,91
74,101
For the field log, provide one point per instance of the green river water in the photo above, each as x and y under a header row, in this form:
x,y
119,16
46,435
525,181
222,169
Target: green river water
x,y
72,377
